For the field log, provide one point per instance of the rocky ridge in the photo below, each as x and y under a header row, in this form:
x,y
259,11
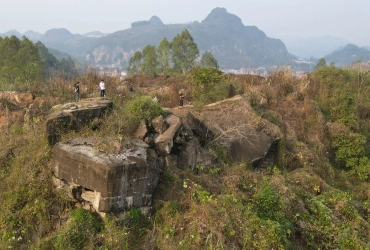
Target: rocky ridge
x,y
126,174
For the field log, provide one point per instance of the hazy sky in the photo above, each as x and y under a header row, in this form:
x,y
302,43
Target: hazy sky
x,y
349,19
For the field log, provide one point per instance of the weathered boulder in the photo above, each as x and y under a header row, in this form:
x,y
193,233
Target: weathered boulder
x,y
174,139
141,131
20,108
74,116
160,124
110,181
189,150
232,125
191,154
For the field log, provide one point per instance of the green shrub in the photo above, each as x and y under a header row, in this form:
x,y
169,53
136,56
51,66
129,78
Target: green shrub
x,y
204,76
209,94
349,149
142,108
114,236
341,203
348,239
221,154
135,215
266,202
80,231
363,169
208,85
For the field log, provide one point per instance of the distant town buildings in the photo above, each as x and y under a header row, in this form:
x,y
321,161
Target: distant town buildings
x,y
105,71
260,71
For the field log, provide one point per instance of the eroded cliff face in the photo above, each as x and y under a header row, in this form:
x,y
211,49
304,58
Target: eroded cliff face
x,y
111,175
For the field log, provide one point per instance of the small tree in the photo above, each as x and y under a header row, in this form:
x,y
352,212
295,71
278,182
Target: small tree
x,y
20,62
29,61
184,51
150,63
321,63
142,108
50,63
208,61
134,63
67,66
163,52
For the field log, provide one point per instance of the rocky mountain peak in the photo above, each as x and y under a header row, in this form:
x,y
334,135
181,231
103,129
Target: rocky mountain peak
x,y
155,20
58,34
220,16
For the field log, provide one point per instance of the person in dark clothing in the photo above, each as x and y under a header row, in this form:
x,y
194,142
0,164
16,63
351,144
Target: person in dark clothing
x,y
232,90
181,99
77,91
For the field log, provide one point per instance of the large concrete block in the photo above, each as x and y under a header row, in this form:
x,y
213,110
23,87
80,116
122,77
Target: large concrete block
x,y
109,181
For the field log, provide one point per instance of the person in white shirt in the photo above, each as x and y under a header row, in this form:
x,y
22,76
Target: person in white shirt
x,y
102,88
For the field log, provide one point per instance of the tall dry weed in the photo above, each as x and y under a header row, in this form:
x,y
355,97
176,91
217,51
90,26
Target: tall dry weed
x,y
282,81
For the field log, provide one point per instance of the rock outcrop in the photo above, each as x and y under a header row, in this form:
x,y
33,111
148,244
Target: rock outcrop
x,y
13,108
124,174
233,126
22,109
74,116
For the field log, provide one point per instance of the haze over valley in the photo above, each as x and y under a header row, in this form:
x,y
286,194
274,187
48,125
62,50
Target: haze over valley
x,y
237,37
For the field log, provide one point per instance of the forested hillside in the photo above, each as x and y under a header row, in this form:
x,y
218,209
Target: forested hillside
x,y
344,56
23,64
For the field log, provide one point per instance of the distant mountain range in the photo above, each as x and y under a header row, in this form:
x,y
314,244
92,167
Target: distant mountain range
x,y
36,36
316,47
234,45
348,54
223,34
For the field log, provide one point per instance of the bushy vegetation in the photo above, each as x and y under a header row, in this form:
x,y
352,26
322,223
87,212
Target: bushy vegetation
x,y
179,57
315,197
141,109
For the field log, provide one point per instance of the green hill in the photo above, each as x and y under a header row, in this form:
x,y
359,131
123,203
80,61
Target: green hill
x,y
344,56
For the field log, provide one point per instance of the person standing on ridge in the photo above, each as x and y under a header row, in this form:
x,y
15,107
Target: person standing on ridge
x,y
102,88
77,91
181,99
232,90
155,99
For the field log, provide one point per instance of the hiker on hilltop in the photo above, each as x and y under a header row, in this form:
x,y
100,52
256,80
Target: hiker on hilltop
x,y
155,99
232,90
102,88
181,99
77,91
